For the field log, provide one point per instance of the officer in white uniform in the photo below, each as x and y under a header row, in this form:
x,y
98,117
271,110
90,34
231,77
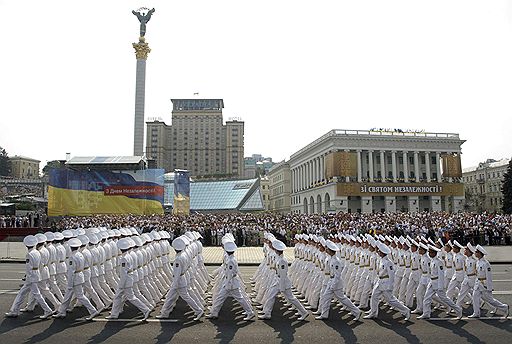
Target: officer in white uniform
x,y
458,275
468,283
75,278
384,286
231,286
435,288
32,278
335,286
283,285
125,286
483,286
179,286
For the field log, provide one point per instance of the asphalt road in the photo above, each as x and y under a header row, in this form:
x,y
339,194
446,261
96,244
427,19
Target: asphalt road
x,y
229,328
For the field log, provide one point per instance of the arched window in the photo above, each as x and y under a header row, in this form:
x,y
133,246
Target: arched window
x,y
305,205
319,204
327,202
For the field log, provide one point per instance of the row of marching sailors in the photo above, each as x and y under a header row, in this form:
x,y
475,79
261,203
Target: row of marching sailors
x,y
271,279
395,269
227,282
108,267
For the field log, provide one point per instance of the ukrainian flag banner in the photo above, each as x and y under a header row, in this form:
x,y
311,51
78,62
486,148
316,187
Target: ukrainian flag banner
x,y
181,204
83,193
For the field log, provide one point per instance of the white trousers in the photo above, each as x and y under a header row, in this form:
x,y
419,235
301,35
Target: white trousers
x,y
78,292
33,289
126,294
234,293
326,298
438,295
172,297
486,295
388,296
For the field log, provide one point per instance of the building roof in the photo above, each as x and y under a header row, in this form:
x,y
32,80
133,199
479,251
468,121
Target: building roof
x,y
103,160
490,163
228,195
21,157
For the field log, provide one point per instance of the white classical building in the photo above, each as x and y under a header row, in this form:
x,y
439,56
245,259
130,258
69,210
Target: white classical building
x,y
386,170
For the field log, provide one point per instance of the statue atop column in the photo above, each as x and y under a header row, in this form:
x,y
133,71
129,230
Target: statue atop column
x,y
144,15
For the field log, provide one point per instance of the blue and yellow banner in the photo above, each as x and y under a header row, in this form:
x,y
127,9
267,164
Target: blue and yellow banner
x,y
82,193
181,204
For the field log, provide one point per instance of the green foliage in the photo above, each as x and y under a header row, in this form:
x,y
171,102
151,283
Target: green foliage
x,y
50,165
25,206
506,189
5,163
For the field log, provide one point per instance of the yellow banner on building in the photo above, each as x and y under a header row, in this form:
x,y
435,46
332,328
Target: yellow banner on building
x,y
452,166
341,164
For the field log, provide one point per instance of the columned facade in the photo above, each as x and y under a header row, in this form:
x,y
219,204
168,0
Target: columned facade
x,y
390,172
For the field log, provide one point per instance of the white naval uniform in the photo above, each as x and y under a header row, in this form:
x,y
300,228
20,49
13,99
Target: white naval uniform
x,y
468,283
283,285
75,278
230,287
423,283
435,289
32,278
384,289
125,288
458,276
44,282
179,287
335,289
483,288
414,279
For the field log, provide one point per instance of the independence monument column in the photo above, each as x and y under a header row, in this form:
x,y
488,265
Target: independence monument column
x,y
141,52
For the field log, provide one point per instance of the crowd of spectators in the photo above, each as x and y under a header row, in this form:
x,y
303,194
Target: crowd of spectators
x,y
20,189
31,220
483,228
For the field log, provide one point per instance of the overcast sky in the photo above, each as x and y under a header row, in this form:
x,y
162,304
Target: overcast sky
x,y
292,70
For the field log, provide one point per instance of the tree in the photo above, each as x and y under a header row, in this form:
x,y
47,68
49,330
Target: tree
x,y
5,163
52,164
506,189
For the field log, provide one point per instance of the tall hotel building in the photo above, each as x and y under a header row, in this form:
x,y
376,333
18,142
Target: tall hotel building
x,y
197,140
378,171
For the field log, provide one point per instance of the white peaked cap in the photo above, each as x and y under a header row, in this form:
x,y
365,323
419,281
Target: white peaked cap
x,y
423,246
137,240
74,242
84,239
471,247
407,243
384,248
430,241
332,246
179,244
58,236
449,243
229,246
433,248
49,236
402,240
322,241
111,233
279,245
117,232
440,241
147,237
190,235
456,243
67,233
30,241
131,242
415,243
481,249
123,244
134,231
41,238
93,238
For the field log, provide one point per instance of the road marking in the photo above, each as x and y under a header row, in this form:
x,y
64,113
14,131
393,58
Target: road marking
x,y
467,318
10,279
510,280
134,320
9,292
502,292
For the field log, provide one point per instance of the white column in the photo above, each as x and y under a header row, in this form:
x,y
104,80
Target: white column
x,y
416,167
406,166
427,166
370,164
382,166
438,166
322,168
359,167
393,166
